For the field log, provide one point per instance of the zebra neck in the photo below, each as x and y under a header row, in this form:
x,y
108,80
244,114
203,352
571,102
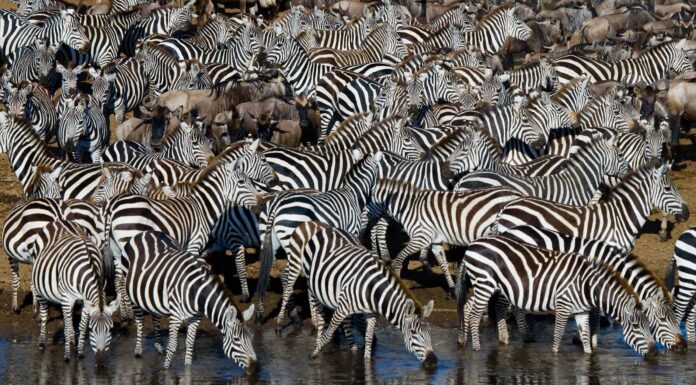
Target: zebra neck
x,y
359,187
610,296
631,203
484,38
210,196
300,69
28,150
637,276
390,300
212,301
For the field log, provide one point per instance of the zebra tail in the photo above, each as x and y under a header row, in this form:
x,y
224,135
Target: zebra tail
x,y
266,256
669,276
461,289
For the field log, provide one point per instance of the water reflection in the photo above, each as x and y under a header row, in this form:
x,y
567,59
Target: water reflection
x,y
284,359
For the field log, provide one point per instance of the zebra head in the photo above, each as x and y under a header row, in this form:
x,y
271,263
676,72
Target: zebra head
x,y
548,74
615,164
283,49
102,85
68,85
193,76
626,110
456,41
74,34
188,144
657,140
180,18
394,45
44,58
664,194
44,182
636,329
5,75
242,191
116,180
100,324
663,322
471,154
513,26
6,131
416,331
255,166
73,123
680,63
237,339
436,85
387,13
529,127
402,141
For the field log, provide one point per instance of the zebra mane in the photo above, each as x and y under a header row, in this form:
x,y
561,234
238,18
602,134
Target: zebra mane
x,y
345,125
488,138
41,169
226,293
646,167
121,167
586,139
494,13
557,96
397,184
407,291
665,292
455,136
221,157
160,52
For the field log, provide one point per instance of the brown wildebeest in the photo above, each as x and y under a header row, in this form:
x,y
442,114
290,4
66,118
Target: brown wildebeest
x,y
681,104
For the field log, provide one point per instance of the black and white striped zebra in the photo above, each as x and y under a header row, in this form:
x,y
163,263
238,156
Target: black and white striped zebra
x,y
163,279
492,30
28,217
164,20
83,129
650,66
419,33
60,27
68,269
654,297
34,63
381,41
165,73
624,211
127,87
26,7
351,35
529,278
184,144
33,102
509,123
342,93
344,276
120,179
680,279
45,183
539,75
215,34
68,86
432,218
448,37
574,185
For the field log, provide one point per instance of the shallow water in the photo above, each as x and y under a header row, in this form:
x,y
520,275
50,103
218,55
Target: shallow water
x,y
284,359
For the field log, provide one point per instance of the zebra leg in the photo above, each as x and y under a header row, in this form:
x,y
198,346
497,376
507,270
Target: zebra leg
x,y
43,311
439,252
34,295
369,335
464,325
158,334
582,321
378,237
96,155
347,325
125,304
522,325
690,319
562,314
84,319
68,328
174,325
240,262
14,267
139,320
501,311
479,304
339,315
315,310
416,244
190,339
664,236
289,277
594,325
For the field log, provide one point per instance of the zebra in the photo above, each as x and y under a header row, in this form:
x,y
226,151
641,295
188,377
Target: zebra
x,y
528,277
650,66
128,87
624,210
534,76
33,102
342,93
26,7
447,37
28,217
188,220
165,73
120,179
574,185
681,267
432,218
67,269
431,85
382,40
165,20
360,284
44,183
152,259
83,128
120,6
213,35
652,294
428,174
25,149
184,144
60,27
604,111
68,86
351,35
492,30
34,63
455,17
341,208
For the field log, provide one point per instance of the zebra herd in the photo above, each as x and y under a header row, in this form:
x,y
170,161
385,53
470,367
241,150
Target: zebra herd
x,y
545,173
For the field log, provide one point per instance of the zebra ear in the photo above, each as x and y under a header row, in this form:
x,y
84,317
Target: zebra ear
x,y
55,174
78,69
185,127
681,44
107,172
126,176
248,313
112,306
357,154
231,314
168,191
93,73
254,146
409,307
59,68
428,309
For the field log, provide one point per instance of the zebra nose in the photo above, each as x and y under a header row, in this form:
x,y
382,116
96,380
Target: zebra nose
x,y
85,46
99,358
652,351
679,344
430,361
684,215
539,143
251,368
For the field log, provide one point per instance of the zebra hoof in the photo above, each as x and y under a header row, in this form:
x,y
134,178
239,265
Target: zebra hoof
x,y
138,355
42,346
66,358
313,356
279,329
450,293
81,355
664,237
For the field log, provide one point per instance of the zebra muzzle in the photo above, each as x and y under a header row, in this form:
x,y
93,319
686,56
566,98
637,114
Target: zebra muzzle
x,y
430,361
684,215
252,368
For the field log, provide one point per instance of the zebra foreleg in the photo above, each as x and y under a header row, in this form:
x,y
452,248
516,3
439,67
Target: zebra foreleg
x,y
369,335
14,267
464,325
690,319
315,310
84,319
594,325
190,339
522,325
125,304
379,239
158,334
289,277
139,320
174,325
339,315
562,314
582,321
501,311
416,244
68,329
479,304
439,252
348,332
240,263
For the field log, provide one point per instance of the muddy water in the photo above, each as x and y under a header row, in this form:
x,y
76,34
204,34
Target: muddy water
x,y
284,359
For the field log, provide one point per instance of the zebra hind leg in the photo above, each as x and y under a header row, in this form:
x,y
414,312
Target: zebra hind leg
x,y
43,311
479,304
370,335
240,263
416,244
501,311
316,310
562,314
174,325
84,319
690,319
69,330
14,267
339,315
441,257
139,320
582,321
158,334
289,277
190,339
